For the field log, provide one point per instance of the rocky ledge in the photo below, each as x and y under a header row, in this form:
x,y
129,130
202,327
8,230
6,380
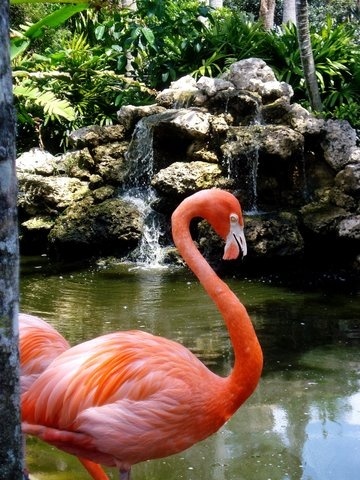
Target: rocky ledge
x,y
296,175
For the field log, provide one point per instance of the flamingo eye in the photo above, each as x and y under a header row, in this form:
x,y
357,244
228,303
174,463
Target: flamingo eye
x,y
234,218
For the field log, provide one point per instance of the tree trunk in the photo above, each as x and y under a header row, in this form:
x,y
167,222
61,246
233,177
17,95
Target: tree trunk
x,y
216,3
289,12
130,4
11,455
266,13
306,54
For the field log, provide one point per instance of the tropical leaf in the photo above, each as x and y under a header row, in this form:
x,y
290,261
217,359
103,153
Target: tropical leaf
x,y
21,40
53,107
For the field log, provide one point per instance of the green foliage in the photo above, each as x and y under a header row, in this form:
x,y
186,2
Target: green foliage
x,y
159,42
101,59
21,40
67,86
283,56
235,35
336,57
54,108
348,111
341,11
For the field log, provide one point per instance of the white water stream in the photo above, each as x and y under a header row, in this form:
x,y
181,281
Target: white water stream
x,y
139,192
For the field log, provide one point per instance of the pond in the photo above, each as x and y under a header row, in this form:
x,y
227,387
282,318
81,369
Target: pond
x,y
302,422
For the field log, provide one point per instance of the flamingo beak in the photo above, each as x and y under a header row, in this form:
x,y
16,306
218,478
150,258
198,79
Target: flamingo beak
x,y
235,241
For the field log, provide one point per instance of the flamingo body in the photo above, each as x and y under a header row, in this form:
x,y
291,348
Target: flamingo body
x,y
126,397
39,345
119,419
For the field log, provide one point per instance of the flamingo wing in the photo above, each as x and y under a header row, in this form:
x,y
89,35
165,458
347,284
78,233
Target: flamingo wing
x,y
39,345
129,396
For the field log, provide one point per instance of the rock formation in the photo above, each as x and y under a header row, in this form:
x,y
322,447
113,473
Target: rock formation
x,y
296,175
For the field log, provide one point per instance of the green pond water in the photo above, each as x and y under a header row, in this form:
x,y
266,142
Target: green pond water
x,y
303,421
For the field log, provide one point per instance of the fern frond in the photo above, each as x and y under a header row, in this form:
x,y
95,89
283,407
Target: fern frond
x,y
53,107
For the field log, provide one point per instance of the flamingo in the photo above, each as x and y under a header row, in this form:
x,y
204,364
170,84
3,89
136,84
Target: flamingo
x,y
39,345
126,397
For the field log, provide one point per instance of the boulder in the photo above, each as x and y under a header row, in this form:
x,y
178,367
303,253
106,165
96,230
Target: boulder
x,y
350,228
211,86
85,229
338,143
181,93
250,74
95,135
182,179
322,218
79,164
274,236
39,162
39,195
129,115
348,179
279,141
34,234
303,122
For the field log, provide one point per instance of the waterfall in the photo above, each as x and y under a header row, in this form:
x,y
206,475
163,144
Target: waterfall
x,y
140,157
149,252
253,165
243,169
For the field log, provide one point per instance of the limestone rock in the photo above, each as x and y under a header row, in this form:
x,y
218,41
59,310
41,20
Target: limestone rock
x,y
338,143
303,122
348,179
279,141
350,228
322,218
211,86
40,195
181,179
111,163
87,229
129,115
274,235
34,234
79,164
39,162
95,135
182,93
250,74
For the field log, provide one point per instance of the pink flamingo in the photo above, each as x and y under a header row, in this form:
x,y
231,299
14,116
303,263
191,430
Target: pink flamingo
x,y
39,345
127,397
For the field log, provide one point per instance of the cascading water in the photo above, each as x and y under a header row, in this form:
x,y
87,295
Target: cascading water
x,y
253,165
149,252
243,169
140,155
138,191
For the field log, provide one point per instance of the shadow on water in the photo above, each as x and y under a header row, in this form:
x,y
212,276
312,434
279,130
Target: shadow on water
x,y
303,421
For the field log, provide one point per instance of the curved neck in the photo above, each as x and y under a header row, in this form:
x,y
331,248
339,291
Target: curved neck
x,y
248,355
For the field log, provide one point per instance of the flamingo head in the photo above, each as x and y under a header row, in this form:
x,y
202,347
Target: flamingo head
x,y
224,213
235,240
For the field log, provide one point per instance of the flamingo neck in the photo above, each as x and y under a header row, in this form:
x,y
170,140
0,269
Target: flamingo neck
x,y
247,351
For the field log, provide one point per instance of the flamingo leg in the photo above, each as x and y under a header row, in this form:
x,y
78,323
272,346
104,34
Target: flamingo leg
x,y
96,472
124,475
